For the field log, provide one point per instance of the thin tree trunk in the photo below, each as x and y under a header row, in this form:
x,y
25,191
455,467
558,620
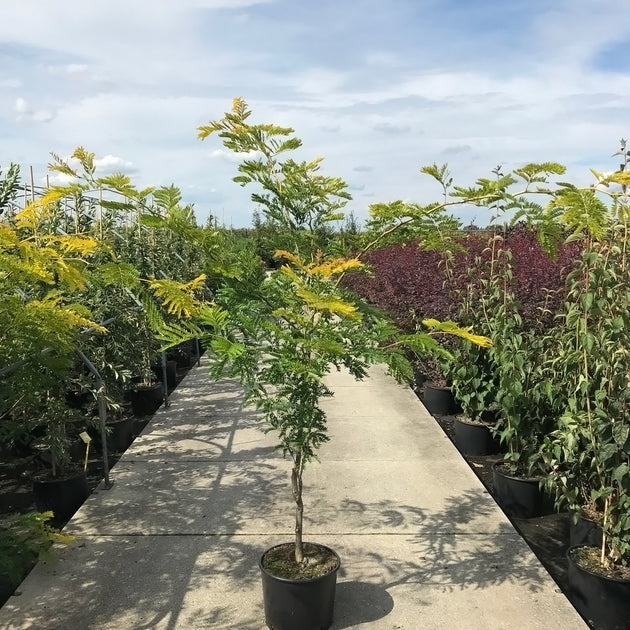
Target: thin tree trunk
x,y
296,486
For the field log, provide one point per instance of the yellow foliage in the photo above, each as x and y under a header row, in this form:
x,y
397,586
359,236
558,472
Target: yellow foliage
x,y
451,328
335,266
38,210
197,283
325,269
621,177
8,238
292,258
289,273
63,318
72,243
326,303
177,297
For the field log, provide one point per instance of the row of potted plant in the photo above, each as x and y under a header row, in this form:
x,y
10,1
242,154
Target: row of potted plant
x,y
554,385
85,266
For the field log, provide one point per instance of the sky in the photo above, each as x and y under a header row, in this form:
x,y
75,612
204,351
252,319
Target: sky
x,y
378,88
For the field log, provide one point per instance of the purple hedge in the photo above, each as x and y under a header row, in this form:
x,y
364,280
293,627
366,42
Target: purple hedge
x,y
410,283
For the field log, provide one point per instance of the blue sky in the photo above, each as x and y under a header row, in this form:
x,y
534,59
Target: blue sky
x,y
377,88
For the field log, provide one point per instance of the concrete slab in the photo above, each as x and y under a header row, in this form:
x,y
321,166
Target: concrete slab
x,y
201,438
175,543
386,582
138,582
340,497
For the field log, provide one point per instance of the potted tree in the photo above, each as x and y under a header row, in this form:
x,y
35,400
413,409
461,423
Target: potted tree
x,y
282,332
473,371
588,453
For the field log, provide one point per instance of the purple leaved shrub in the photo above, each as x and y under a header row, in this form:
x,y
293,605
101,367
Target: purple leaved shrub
x,y
411,284
406,282
539,279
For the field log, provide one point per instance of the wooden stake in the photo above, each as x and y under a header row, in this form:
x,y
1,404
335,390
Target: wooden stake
x,y
32,186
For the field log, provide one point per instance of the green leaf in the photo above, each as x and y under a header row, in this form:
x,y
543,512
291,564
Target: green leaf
x,y
119,274
620,472
226,349
153,220
214,316
620,432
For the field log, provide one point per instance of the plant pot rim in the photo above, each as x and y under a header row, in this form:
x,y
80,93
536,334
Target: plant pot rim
x,y
600,575
501,463
589,515
145,386
435,386
299,580
110,421
464,419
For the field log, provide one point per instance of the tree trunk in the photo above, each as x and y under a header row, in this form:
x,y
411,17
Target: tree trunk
x,y
296,487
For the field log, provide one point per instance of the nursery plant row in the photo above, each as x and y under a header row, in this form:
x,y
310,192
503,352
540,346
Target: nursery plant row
x,y
87,269
552,392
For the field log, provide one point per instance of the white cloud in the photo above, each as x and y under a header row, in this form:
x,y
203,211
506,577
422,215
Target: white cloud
x,y
109,164
234,157
10,84
58,179
21,107
391,85
27,114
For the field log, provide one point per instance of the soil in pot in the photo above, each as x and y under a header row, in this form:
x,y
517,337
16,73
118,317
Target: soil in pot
x,y
519,497
302,596
602,597
474,437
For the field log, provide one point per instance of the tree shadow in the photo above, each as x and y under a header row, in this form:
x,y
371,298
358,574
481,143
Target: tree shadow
x,y
452,549
360,602
209,514
210,503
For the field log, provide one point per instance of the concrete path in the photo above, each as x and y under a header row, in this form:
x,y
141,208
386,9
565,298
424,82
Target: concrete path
x,y
175,543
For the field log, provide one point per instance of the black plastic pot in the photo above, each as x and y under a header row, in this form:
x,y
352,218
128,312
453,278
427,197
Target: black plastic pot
x,y
63,495
585,531
601,600
146,400
438,400
171,373
299,604
119,434
474,438
519,497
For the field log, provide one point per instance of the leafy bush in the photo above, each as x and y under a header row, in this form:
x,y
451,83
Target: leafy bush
x,y
410,283
25,538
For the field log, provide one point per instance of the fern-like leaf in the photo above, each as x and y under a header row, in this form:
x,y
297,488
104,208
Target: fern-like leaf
x,y
119,274
451,328
582,211
328,304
